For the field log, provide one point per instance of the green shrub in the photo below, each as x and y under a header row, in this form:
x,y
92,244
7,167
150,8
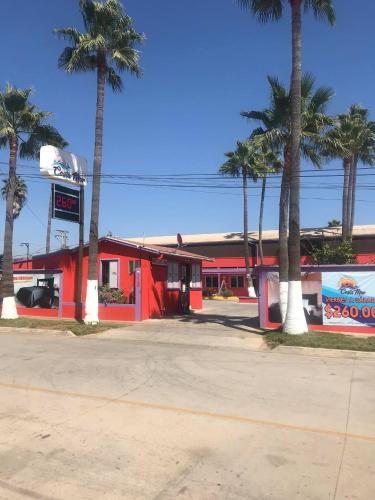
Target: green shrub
x,y
111,295
342,253
226,293
209,292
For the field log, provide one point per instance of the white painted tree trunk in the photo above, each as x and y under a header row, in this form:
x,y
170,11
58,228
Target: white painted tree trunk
x,y
295,321
9,310
92,303
283,299
251,292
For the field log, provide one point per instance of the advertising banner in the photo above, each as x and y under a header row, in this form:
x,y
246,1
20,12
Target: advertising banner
x,y
349,299
40,290
63,166
311,296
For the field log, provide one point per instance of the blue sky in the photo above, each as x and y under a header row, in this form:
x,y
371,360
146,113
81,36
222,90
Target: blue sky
x,y
204,62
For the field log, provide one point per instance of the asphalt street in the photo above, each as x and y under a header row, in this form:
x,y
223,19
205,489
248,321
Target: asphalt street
x,y
111,417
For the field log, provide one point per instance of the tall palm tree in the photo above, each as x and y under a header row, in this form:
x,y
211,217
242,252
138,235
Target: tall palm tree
x,y
275,133
248,161
20,195
272,10
24,130
107,47
353,140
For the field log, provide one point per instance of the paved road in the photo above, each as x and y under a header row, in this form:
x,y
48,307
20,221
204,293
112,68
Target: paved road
x,y
96,417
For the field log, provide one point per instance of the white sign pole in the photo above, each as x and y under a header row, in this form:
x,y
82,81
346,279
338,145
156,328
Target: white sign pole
x,y
60,165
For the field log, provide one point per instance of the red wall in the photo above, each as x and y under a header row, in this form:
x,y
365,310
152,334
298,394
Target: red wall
x,y
221,262
156,300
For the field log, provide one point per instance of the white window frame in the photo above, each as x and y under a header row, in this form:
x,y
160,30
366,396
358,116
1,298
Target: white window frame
x,y
196,280
173,279
109,261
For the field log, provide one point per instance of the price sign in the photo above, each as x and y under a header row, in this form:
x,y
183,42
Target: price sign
x,y
65,203
349,298
354,312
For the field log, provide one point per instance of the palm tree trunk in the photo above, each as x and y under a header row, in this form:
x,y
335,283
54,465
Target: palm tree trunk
x,y
353,195
48,237
9,310
350,196
295,322
283,235
249,281
92,316
345,198
261,211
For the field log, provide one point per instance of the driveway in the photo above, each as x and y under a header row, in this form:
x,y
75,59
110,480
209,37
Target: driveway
x,y
219,324
114,418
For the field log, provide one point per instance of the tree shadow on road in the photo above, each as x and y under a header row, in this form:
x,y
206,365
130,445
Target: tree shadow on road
x,y
243,324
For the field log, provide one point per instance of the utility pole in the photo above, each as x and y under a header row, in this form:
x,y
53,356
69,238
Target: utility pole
x,y
62,236
48,239
27,245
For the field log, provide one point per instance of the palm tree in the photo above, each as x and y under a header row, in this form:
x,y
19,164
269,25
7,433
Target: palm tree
x,y
272,10
24,130
353,140
248,161
107,47
275,133
20,195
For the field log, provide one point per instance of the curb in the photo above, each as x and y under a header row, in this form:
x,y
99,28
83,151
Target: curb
x,y
324,353
248,343
36,331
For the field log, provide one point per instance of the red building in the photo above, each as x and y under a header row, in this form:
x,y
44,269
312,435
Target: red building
x,y
227,251
149,277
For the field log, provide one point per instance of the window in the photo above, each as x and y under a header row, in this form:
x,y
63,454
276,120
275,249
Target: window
x,y
173,275
212,282
237,282
196,276
109,273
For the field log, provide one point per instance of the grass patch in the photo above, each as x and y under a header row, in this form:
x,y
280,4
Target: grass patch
x,y
77,327
324,340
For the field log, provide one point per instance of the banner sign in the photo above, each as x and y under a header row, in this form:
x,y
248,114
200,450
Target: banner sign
x,y
63,166
311,297
65,203
349,299
39,290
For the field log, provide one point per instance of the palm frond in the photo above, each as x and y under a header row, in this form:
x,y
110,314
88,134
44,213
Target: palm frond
x,y
321,99
3,141
127,59
41,136
322,9
264,10
71,34
307,84
20,194
260,116
114,80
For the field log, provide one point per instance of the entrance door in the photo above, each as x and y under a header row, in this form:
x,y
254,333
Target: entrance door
x,y
185,288
158,292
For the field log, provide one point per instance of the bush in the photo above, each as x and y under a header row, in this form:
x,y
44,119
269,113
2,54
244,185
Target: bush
x,y
111,295
209,292
226,293
334,254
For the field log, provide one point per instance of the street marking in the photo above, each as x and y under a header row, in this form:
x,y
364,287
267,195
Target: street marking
x,y
189,411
